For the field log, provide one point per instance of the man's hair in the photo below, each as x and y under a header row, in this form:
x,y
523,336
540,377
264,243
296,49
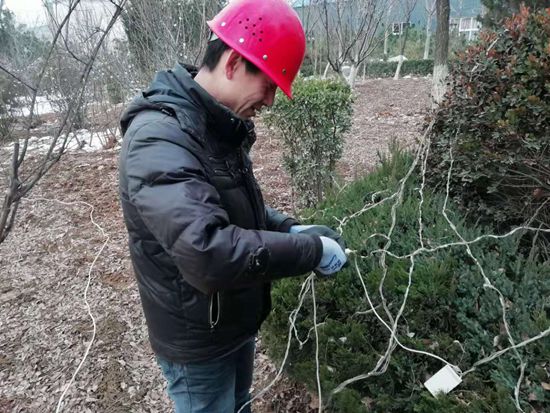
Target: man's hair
x,y
213,54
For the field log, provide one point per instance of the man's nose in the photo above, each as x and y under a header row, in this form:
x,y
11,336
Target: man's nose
x,y
269,97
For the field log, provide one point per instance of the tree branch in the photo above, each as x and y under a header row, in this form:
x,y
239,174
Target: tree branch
x,y
2,68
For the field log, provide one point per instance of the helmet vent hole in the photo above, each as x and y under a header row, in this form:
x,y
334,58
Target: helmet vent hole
x,y
261,32
253,33
260,19
246,27
247,19
260,40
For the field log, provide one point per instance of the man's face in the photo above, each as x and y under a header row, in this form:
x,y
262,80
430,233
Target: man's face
x,y
248,92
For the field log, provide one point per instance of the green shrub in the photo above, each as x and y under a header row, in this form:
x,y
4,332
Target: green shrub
x,y
448,311
496,116
497,10
308,66
10,90
312,127
115,91
410,67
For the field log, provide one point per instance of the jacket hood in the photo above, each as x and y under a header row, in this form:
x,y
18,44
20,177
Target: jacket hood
x,y
176,93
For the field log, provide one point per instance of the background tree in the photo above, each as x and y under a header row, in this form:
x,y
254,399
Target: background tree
x,y
387,31
407,7
441,70
162,33
20,52
429,6
22,176
350,29
497,10
496,118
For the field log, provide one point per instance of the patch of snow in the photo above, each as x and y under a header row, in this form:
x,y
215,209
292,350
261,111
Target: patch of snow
x,y
42,106
396,58
82,140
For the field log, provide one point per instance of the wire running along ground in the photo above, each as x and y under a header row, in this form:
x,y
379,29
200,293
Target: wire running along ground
x,y
392,325
106,237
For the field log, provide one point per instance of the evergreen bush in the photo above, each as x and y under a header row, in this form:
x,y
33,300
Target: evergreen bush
x,y
410,67
10,90
496,117
312,127
115,91
448,311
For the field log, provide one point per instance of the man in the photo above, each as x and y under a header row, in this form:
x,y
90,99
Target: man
x,y
203,245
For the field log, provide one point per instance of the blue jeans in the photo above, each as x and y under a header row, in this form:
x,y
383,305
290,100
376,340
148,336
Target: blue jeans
x,y
217,386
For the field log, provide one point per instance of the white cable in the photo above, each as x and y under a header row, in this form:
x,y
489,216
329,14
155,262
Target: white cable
x,y
384,360
88,282
487,283
317,365
459,244
499,353
306,286
421,190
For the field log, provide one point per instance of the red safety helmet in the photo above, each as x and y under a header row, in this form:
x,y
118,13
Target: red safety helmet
x,y
268,33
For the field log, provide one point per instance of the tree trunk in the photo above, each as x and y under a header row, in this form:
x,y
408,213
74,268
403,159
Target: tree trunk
x,y
353,75
428,38
441,51
387,32
325,73
315,62
386,35
401,53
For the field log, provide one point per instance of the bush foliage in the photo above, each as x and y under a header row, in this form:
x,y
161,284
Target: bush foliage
x,y
10,89
497,10
312,127
448,311
496,117
410,67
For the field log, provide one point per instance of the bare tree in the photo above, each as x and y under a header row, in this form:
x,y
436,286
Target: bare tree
x,y
162,33
23,175
441,50
407,7
429,6
350,31
387,30
310,18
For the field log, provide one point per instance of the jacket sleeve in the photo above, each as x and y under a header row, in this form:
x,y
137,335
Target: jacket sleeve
x,y
169,188
277,221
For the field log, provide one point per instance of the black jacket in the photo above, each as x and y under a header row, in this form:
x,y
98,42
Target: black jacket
x,y
203,245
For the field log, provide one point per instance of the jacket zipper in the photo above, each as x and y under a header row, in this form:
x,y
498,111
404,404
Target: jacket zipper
x,y
214,322
251,190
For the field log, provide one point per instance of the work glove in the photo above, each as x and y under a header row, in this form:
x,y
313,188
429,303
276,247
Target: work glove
x,y
320,230
333,259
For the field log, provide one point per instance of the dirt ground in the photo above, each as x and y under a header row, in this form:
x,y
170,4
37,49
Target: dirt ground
x,y
44,265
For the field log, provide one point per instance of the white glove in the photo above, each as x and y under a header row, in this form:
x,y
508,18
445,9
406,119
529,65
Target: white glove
x,y
333,258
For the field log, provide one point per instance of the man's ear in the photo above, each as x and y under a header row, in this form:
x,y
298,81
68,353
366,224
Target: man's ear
x,y
232,64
